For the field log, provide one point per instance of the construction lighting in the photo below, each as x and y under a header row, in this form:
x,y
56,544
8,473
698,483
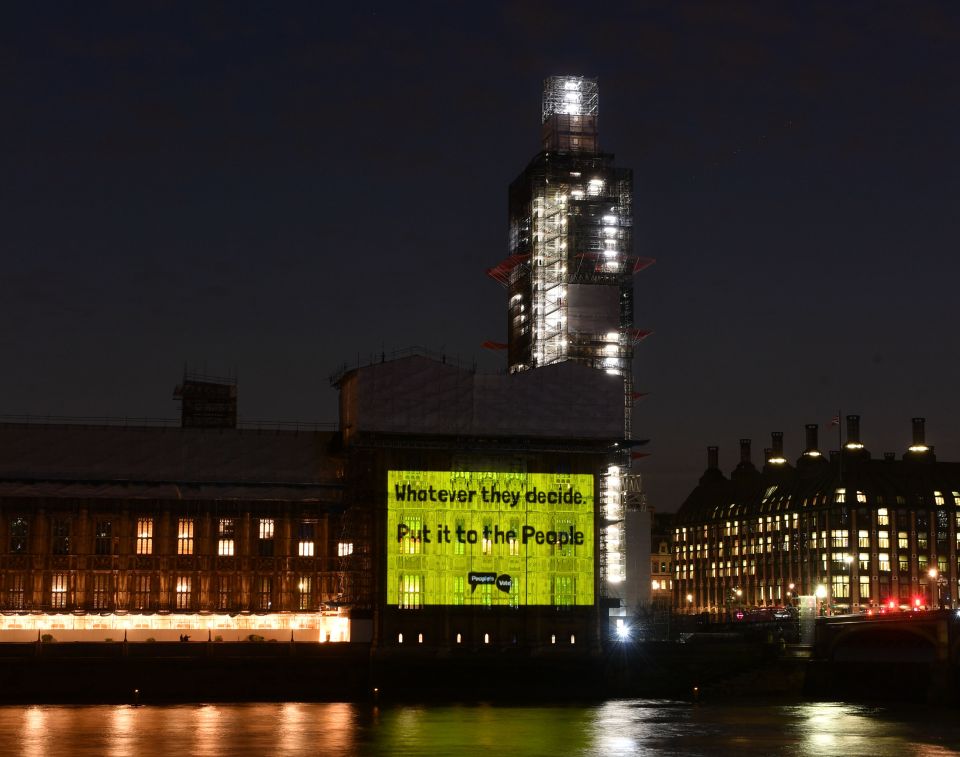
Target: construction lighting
x,y
854,445
623,630
919,448
777,460
813,453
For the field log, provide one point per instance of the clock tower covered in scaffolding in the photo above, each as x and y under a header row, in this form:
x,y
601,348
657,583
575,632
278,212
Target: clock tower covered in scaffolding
x,y
570,264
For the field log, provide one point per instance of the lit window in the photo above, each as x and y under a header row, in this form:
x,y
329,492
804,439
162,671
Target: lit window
x,y
58,591
864,587
265,540
305,545
185,536
411,588
938,498
863,539
344,548
225,532
841,587
459,583
305,593
183,593
903,540
838,537
883,539
513,542
411,544
883,560
864,561
144,536
883,517
15,591
564,591
101,591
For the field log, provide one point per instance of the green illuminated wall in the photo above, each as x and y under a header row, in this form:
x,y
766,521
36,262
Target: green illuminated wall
x,y
501,539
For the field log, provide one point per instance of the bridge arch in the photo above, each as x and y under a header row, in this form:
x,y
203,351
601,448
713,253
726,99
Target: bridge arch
x,y
884,642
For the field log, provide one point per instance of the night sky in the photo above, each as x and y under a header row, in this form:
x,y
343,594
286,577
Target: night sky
x,y
275,189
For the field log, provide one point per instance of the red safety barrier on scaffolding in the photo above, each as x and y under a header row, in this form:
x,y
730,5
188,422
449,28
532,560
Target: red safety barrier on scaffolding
x,y
637,395
501,271
640,263
638,335
488,345
638,455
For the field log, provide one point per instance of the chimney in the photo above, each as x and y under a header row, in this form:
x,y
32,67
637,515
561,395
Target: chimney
x,y
919,432
853,433
713,458
813,443
745,452
774,455
853,428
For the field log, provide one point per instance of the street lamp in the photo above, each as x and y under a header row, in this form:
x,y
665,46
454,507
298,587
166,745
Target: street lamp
x,y
821,594
689,602
936,580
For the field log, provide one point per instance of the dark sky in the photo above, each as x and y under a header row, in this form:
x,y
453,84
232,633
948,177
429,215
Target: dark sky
x,y
277,188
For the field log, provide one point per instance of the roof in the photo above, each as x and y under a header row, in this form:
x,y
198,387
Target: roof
x,y
85,459
419,395
748,492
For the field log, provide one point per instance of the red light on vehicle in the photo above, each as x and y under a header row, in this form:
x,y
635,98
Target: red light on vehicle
x,y
916,601
891,604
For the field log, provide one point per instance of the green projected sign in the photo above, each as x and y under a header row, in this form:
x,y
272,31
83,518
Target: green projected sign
x,y
489,539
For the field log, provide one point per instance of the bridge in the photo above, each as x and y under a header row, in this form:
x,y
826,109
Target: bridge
x,y
900,655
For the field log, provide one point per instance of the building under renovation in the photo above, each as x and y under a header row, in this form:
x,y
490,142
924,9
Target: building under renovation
x,y
569,272
218,532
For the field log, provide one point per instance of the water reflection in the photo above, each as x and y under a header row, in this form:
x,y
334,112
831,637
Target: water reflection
x,y
647,727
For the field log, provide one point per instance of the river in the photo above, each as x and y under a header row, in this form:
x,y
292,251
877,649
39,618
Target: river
x,y
623,727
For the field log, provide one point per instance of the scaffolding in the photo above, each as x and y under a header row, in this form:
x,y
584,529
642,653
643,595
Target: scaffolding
x,y
570,267
570,96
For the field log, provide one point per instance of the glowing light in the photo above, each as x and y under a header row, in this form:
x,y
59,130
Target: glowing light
x,y
813,453
854,445
821,592
919,448
777,460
